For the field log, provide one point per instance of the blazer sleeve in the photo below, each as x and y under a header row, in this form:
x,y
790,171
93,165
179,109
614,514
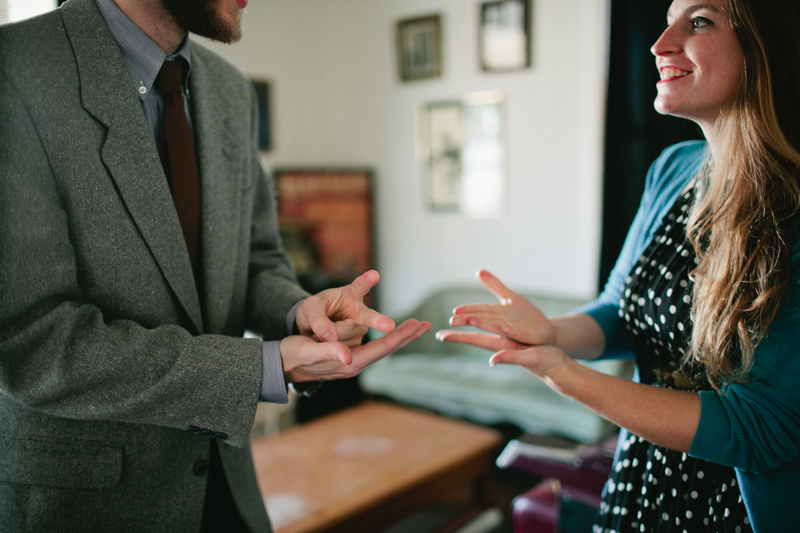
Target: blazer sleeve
x,y
61,356
272,285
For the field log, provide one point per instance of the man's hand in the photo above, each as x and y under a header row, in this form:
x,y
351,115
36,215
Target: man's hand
x,y
340,314
305,359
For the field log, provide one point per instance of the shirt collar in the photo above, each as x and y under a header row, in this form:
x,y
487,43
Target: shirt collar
x,y
141,55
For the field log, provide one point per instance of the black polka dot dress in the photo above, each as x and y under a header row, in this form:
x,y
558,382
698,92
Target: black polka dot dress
x,y
655,489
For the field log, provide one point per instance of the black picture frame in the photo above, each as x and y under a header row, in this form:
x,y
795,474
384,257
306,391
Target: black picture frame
x,y
263,96
419,47
504,35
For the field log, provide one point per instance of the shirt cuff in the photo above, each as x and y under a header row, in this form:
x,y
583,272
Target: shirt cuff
x,y
306,388
290,318
273,386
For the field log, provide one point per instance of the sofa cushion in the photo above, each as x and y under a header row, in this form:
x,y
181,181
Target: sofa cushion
x,y
456,380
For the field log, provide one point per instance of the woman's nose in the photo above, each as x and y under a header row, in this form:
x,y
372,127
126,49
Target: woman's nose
x,y
667,43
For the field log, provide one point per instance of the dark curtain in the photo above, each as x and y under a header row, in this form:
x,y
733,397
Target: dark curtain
x,y
635,133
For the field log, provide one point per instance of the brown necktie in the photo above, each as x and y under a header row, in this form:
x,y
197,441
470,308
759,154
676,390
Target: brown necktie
x,y
180,163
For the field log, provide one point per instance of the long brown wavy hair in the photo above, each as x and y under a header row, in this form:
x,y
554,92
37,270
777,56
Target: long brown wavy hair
x,y
746,201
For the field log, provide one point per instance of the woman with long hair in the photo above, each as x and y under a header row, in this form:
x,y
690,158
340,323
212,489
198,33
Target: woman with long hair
x,y
705,293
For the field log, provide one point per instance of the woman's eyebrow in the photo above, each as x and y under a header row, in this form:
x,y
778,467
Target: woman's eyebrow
x,y
694,7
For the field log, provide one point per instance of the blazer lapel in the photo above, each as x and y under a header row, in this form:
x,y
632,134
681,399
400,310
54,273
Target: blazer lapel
x,y
220,165
129,151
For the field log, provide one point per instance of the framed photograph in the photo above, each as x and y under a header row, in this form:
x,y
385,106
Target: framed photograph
x,y
419,47
262,89
505,35
461,145
445,144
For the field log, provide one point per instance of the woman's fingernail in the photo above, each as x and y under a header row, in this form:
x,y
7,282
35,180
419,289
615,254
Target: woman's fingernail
x,y
328,337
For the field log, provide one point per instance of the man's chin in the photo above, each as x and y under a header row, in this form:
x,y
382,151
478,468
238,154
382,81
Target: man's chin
x,y
202,18
229,36
224,30
220,30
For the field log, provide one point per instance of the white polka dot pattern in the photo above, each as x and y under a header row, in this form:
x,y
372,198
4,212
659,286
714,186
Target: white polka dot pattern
x,y
654,489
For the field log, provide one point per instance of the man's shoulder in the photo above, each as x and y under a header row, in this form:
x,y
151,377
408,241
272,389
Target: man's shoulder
x,y
215,63
35,52
222,78
31,35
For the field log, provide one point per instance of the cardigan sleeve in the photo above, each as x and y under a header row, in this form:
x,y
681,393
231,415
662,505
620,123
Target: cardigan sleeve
x,y
666,177
755,426
606,308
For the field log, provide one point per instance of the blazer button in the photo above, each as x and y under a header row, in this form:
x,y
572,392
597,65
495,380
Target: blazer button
x,y
220,436
193,429
201,468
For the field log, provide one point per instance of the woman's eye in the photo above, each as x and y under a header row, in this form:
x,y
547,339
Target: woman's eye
x,y
700,22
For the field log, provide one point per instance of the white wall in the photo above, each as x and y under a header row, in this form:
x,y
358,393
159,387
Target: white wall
x,y
337,101
23,9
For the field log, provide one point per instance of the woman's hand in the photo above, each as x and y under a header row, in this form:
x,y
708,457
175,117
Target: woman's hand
x,y
515,323
545,362
666,417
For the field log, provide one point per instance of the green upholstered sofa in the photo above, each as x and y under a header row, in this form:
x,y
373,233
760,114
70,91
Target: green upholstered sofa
x,y
456,380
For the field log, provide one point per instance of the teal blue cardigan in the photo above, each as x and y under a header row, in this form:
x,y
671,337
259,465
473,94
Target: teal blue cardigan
x,y
753,427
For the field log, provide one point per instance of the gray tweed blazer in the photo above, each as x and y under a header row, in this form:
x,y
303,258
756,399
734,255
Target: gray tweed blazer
x,y
108,351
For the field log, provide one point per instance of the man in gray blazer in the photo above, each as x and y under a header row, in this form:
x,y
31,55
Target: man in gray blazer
x,y
127,392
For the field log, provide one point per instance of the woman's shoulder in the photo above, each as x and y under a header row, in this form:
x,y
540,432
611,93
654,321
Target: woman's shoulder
x,y
681,160
672,171
685,151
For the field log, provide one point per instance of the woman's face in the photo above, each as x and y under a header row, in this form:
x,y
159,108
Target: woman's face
x,y
700,61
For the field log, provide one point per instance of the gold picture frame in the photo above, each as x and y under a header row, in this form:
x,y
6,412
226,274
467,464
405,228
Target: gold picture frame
x,y
419,47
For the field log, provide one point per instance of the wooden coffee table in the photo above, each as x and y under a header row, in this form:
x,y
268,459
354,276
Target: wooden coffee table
x,y
366,467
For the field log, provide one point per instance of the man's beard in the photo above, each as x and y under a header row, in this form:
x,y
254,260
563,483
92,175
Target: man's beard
x,y
200,17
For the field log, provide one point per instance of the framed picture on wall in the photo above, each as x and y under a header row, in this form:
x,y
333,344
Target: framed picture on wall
x,y
445,143
462,148
419,47
262,88
505,35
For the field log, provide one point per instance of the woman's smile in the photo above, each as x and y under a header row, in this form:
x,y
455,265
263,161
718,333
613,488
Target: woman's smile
x,y
672,73
700,62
